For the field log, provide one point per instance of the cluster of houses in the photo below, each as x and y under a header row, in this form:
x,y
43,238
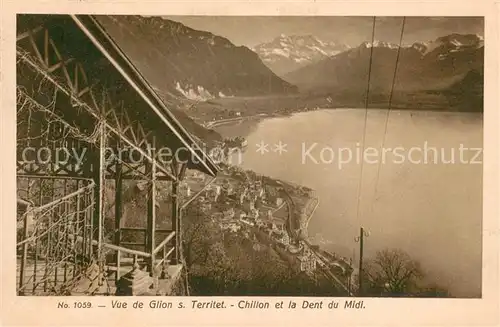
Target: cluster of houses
x,y
237,206
250,204
307,260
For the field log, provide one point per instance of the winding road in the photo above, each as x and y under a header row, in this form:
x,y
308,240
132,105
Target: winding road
x,y
216,123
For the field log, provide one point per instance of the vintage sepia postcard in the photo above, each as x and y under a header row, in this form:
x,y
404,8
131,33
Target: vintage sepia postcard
x,y
238,163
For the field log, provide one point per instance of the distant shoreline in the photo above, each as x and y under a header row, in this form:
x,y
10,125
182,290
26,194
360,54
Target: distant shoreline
x,y
303,222
213,125
212,112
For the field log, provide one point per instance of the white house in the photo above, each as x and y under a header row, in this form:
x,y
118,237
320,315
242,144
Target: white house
x,y
307,263
279,202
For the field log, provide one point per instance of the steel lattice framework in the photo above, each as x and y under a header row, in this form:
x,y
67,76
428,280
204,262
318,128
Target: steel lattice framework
x,y
77,90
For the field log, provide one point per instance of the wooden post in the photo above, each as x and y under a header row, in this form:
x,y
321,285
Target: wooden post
x,y
99,173
178,242
96,199
24,254
178,233
175,213
90,234
102,187
362,234
76,228
118,204
66,221
35,263
163,273
151,244
118,265
49,240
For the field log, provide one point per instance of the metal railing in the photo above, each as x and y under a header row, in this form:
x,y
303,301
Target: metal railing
x,y
153,264
47,256
136,230
163,246
57,234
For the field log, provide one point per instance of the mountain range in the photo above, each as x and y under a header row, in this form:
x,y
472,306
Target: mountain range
x,y
196,69
422,66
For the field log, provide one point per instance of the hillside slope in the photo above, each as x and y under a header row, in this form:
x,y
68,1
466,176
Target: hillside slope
x,y
181,62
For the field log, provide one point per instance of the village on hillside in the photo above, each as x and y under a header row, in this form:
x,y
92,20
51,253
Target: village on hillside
x,y
244,203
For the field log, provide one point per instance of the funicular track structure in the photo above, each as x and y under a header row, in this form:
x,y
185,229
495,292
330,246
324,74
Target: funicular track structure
x,y
78,94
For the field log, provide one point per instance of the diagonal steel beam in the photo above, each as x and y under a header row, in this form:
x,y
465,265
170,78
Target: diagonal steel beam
x,y
95,115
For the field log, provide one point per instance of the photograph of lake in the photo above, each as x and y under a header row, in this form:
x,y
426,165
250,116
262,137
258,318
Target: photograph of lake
x,y
431,210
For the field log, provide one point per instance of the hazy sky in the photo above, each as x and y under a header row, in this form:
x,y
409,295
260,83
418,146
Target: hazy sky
x,y
252,30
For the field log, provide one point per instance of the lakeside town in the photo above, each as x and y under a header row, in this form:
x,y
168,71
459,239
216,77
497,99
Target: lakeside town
x,y
267,211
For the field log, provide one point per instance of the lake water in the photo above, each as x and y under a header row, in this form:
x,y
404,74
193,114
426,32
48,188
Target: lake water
x,y
422,203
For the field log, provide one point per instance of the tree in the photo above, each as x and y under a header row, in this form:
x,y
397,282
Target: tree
x,y
199,233
392,273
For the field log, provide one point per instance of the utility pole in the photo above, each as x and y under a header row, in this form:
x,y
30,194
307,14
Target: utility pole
x,y
349,277
362,234
269,84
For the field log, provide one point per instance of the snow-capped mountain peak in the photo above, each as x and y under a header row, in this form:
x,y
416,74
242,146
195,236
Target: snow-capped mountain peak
x,y
454,43
379,44
289,52
420,46
442,45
